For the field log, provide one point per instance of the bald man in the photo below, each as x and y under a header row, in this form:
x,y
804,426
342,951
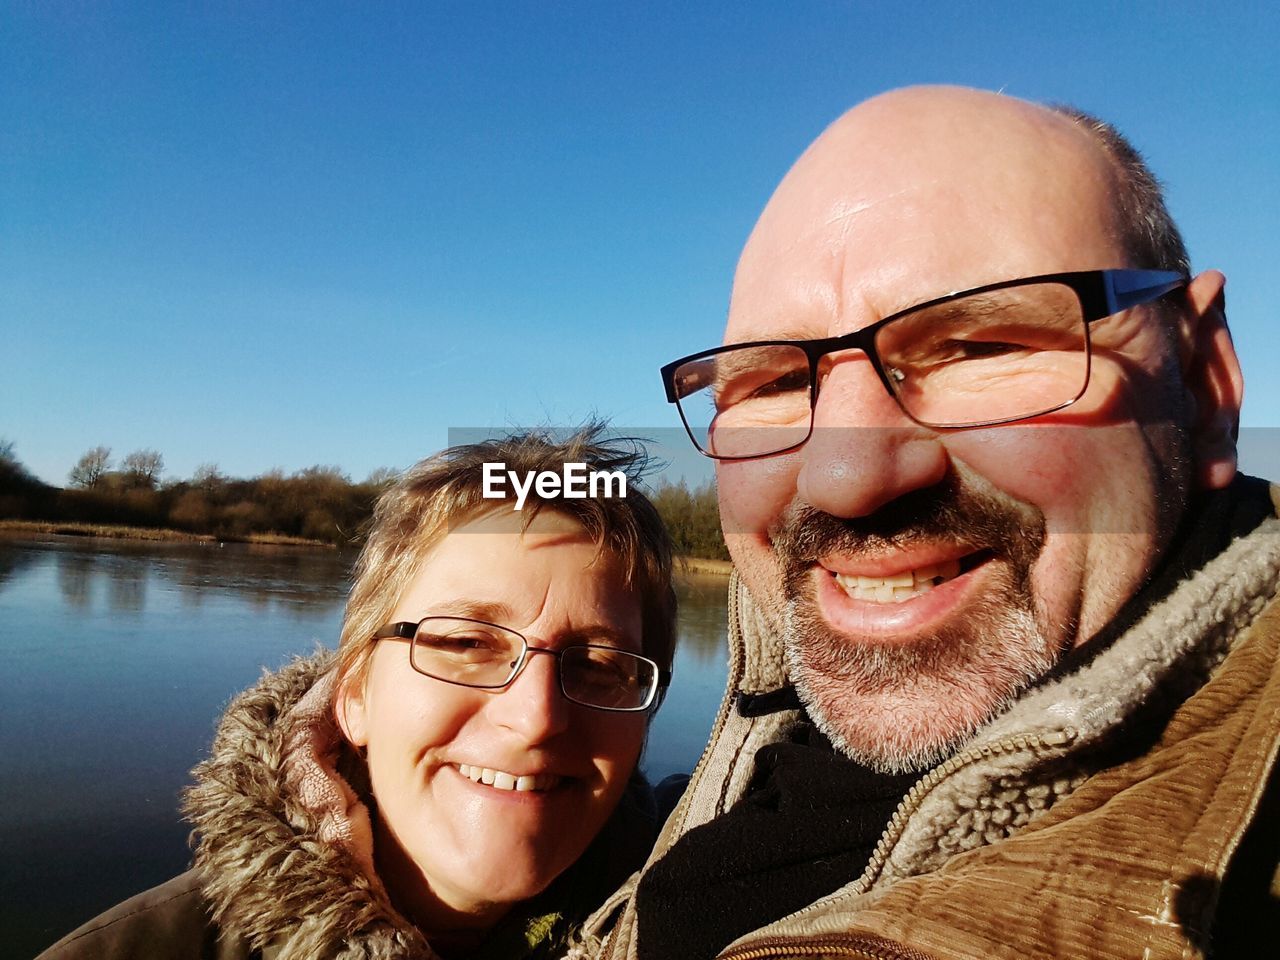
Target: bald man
x,y
1003,639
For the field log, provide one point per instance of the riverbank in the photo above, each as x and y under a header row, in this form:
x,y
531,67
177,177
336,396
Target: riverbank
x,y
26,528
721,568
36,528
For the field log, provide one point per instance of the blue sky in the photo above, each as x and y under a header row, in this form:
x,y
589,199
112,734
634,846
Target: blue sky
x,y
280,235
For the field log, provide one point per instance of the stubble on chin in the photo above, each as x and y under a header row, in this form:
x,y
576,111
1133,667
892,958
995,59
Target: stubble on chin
x,y
906,707
898,710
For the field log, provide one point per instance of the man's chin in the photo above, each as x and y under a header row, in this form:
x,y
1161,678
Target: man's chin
x,y
887,734
907,707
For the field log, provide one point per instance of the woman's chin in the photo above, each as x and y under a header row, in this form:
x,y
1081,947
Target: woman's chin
x,y
485,890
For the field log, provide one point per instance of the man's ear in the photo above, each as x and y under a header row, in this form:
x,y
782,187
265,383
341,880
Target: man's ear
x,y
1212,379
349,711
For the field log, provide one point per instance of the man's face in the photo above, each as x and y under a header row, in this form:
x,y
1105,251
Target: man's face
x,y
1008,544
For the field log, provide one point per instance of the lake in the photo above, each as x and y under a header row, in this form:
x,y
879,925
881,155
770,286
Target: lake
x,y
119,657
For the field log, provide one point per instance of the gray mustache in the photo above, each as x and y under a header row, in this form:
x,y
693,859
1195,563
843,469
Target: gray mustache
x,y
950,511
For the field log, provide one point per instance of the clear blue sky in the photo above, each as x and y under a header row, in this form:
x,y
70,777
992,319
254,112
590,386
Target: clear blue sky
x,y
280,235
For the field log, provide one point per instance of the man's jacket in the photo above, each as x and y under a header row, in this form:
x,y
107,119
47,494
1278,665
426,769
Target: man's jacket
x,y
1055,831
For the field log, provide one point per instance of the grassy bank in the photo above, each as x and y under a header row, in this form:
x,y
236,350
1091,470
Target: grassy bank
x,y
21,528
27,528
703,565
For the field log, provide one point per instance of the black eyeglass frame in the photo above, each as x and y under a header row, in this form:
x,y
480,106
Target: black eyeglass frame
x,y
1102,293
407,630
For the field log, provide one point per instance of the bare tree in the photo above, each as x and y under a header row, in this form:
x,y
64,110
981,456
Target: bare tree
x,y
207,476
382,477
143,468
6,451
90,468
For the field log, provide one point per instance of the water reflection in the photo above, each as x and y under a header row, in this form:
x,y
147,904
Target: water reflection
x,y
268,578
702,598
126,587
12,563
75,574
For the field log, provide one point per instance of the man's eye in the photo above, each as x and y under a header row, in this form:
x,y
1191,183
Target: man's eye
x,y
787,382
978,349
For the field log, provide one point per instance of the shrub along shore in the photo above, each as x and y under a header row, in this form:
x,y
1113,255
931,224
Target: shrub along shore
x,y
317,506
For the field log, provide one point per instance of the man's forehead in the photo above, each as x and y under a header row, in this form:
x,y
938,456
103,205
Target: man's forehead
x,y
916,194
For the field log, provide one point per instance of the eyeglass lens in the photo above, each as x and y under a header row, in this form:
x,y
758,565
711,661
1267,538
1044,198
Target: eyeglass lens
x,y
477,654
1002,355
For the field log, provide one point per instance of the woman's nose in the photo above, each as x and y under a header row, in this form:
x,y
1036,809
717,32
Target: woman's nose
x,y
532,704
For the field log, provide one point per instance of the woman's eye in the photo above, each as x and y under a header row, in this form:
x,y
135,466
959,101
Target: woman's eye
x,y
459,644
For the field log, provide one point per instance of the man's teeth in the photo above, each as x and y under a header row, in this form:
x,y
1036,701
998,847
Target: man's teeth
x,y
899,587
508,781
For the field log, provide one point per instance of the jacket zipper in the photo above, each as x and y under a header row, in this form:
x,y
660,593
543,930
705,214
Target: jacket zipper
x,y
1042,743
733,633
857,946
726,704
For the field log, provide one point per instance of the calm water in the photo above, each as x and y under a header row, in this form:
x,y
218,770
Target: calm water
x,y
118,658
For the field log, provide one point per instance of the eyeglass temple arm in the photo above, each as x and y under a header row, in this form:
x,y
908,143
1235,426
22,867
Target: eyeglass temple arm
x,y
392,631
1129,288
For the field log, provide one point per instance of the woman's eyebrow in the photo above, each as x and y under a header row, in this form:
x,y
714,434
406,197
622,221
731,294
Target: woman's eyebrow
x,y
493,611
602,635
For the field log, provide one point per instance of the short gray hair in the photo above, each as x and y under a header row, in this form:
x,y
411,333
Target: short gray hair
x,y
1151,237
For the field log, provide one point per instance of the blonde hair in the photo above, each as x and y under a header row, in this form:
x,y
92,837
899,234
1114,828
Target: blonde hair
x,y
446,489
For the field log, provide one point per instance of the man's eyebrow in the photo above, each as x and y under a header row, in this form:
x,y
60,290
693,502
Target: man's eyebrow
x,y
796,334
983,306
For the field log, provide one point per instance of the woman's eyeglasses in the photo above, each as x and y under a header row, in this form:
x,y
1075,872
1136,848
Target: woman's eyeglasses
x,y
474,653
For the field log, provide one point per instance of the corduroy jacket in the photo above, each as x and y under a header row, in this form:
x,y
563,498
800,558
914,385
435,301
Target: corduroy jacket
x,y
1053,832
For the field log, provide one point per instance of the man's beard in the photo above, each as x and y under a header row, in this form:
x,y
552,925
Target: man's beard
x,y
899,707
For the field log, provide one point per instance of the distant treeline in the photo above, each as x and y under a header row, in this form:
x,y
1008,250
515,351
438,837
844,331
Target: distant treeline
x,y
319,503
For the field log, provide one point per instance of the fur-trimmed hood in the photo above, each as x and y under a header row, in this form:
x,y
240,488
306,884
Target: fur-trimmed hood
x,y
284,851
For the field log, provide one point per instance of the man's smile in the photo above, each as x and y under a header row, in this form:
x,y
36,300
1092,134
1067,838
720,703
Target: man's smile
x,y
902,606
898,587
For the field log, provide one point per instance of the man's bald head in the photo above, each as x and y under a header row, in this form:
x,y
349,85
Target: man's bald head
x,y
972,146
1046,527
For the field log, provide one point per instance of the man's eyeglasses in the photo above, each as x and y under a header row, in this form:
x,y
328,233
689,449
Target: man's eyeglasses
x,y
995,354
473,653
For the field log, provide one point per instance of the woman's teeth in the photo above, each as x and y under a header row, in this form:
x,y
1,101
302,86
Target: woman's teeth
x,y
899,587
507,781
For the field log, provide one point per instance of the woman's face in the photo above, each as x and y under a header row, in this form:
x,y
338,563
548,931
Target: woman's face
x,y
456,847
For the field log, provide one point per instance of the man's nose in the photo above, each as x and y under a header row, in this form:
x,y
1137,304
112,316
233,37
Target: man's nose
x,y
864,451
532,704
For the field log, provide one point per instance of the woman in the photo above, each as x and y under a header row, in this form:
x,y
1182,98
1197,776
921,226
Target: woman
x,y
460,780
